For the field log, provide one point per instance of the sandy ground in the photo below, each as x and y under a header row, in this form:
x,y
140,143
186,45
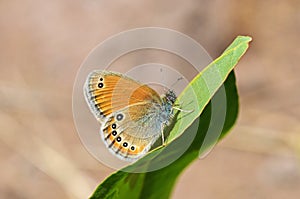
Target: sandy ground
x,y
44,42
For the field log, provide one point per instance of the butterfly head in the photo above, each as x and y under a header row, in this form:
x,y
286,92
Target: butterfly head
x,y
170,97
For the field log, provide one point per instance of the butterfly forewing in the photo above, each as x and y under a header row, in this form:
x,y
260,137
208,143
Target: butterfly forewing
x,y
108,92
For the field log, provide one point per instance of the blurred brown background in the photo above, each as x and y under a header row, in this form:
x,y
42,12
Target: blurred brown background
x,y
42,44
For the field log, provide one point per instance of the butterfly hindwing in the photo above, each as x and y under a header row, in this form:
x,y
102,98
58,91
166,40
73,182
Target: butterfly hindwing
x,y
127,137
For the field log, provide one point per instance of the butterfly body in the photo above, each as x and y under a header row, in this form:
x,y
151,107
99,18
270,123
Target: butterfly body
x,y
132,115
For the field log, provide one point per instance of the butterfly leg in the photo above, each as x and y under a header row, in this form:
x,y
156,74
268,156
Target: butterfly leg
x,y
185,111
163,138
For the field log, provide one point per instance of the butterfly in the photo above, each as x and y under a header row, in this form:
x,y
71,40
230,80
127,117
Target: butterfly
x,y
132,115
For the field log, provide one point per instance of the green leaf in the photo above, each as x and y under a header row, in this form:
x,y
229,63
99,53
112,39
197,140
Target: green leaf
x,y
204,95
206,84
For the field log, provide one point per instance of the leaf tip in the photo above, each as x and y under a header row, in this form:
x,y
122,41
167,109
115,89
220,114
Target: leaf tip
x,y
246,38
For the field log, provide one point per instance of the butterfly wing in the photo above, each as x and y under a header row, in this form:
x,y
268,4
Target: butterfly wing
x,y
130,135
115,99
107,92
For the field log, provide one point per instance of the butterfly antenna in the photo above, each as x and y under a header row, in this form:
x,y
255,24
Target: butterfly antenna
x,y
180,78
163,80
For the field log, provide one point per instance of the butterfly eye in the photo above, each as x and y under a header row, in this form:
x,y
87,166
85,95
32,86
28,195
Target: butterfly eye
x,y
100,85
125,144
119,139
120,117
132,148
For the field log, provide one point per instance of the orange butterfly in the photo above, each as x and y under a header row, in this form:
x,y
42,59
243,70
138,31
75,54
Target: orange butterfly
x,y
132,115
